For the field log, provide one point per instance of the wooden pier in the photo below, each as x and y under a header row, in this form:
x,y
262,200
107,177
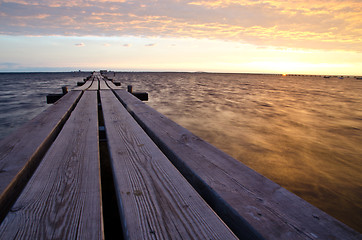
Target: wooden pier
x,y
60,172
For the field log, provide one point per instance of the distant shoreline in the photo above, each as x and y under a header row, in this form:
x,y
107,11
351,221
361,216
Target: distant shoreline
x,y
190,72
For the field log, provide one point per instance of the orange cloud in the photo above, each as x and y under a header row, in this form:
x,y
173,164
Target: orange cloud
x,y
318,24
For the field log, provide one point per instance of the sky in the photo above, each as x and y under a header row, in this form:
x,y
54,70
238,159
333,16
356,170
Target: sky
x,y
249,36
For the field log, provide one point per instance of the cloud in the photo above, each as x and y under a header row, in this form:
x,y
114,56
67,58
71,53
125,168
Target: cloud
x,y
79,44
9,65
150,45
126,45
317,24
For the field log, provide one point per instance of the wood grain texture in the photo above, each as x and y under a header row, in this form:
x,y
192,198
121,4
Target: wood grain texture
x,y
102,84
21,152
112,86
156,201
85,86
237,193
62,199
95,83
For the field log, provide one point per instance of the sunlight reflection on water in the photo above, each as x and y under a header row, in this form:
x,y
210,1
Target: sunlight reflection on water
x,y
304,133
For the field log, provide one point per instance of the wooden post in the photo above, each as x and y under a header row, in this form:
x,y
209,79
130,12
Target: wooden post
x,y
65,90
52,98
129,88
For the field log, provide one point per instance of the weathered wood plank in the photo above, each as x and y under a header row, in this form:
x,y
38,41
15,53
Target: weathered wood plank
x,y
62,199
85,86
21,152
103,85
95,84
156,201
237,193
112,86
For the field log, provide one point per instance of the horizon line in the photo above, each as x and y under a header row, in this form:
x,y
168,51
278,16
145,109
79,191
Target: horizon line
x,y
173,71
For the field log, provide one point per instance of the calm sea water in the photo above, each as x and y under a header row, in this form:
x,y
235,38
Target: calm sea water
x,y
304,133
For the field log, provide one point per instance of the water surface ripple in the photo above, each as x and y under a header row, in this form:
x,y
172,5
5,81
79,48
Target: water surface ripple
x,y
303,132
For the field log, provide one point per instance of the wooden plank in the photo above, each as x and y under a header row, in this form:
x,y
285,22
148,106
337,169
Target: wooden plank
x,y
243,198
156,201
112,86
21,152
95,84
62,199
103,85
86,85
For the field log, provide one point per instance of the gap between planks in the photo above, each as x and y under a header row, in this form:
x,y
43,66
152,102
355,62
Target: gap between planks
x,y
156,201
62,199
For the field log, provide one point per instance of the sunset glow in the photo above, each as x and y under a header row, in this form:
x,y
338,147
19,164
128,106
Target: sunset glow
x,y
310,37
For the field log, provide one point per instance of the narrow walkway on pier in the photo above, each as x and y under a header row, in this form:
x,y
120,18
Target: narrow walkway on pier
x,y
63,197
